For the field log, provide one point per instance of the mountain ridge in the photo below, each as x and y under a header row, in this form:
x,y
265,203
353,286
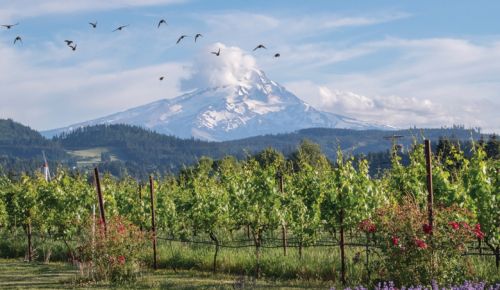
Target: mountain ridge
x,y
253,106
139,152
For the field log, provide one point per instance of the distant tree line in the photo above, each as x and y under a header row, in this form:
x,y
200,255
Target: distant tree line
x,y
140,152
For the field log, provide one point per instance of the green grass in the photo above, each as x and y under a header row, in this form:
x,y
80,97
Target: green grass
x,y
15,274
183,265
317,263
91,156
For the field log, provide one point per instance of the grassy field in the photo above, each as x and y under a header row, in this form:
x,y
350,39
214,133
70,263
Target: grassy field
x,y
15,274
91,156
189,266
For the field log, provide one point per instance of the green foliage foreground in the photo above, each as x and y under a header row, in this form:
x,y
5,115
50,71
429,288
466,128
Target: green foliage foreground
x,y
303,200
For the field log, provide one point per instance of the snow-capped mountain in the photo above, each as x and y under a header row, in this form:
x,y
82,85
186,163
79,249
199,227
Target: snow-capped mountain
x,y
253,106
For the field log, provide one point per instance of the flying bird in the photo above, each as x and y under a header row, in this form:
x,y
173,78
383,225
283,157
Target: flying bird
x,y
181,38
73,47
120,27
277,55
196,36
259,46
94,24
216,53
18,38
163,21
68,42
9,26
161,78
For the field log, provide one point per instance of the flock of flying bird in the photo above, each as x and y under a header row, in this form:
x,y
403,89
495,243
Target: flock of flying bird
x,y
71,44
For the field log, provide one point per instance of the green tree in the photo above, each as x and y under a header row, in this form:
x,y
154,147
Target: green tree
x,y
4,184
209,211
482,184
308,189
492,147
259,202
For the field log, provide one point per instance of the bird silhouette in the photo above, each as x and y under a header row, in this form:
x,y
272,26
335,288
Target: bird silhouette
x,y
120,27
277,55
196,36
161,78
94,24
68,42
259,46
216,53
9,26
18,38
72,47
181,38
163,21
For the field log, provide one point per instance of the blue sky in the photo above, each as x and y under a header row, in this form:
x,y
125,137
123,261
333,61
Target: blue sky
x,y
402,63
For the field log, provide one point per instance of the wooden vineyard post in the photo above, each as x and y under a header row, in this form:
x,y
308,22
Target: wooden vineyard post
x,y
30,245
153,225
283,226
342,240
93,231
342,247
100,199
367,249
140,203
430,195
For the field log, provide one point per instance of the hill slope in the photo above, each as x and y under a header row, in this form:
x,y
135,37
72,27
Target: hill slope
x,y
17,140
124,148
160,152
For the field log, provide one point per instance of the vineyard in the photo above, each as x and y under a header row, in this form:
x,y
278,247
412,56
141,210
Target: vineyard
x,y
303,217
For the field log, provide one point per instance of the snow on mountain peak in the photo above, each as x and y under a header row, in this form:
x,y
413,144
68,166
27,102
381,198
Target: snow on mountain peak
x,y
230,98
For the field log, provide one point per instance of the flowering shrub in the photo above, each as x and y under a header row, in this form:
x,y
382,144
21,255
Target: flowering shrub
x,y
367,226
112,254
416,252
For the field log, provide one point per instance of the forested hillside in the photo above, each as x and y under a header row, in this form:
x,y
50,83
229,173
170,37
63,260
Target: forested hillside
x,y
124,149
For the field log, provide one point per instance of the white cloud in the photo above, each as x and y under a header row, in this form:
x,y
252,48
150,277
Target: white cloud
x,y
337,21
231,67
291,26
284,32
428,82
49,97
389,110
14,9
423,82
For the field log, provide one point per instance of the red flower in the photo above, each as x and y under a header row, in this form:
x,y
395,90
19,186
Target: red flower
x,y
395,241
454,225
368,226
121,229
121,260
420,244
465,225
477,231
427,229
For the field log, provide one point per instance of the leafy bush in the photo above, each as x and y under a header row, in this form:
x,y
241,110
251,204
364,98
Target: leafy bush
x,y
111,254
414,252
